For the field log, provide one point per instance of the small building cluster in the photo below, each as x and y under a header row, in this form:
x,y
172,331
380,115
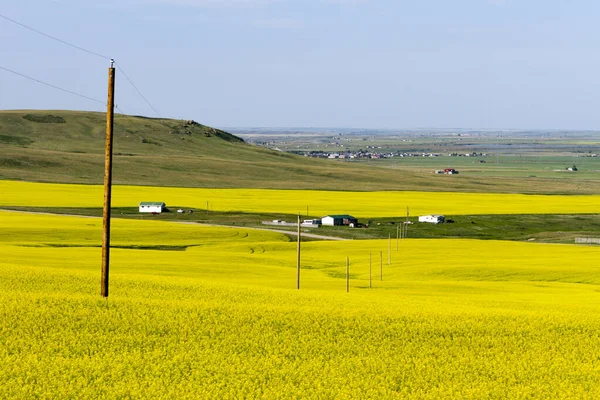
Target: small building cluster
x,y
473,154
447,171
328,220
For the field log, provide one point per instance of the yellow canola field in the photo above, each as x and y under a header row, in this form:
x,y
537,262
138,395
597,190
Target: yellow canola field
x,y
31,228
359,204
222,319
177,246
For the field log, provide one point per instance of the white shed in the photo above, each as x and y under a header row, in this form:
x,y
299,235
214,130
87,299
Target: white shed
x,y
152,207
433,219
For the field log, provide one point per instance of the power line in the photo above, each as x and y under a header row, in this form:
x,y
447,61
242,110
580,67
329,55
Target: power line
x,y
84,50
136,89
55,38
52,86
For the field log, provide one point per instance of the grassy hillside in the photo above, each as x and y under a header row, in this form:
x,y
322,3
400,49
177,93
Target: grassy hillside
x,y
68,146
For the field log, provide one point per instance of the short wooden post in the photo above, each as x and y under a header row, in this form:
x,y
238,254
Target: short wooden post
x,y
347,274
389,249
381,265
406,225
370,271
397,235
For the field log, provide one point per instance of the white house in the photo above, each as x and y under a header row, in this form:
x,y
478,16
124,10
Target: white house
x,y
152,207
434,218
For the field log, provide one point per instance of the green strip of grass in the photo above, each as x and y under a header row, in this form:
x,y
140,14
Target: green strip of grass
x,y
548,228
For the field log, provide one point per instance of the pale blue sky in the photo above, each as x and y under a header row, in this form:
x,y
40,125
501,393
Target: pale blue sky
x,y
335,63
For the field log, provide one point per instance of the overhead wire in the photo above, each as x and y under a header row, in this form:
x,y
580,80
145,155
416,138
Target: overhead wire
x,y
51,85
54,38
126,116
136,89
86,51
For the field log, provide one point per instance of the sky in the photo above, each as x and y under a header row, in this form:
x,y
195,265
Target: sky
x,y
496,64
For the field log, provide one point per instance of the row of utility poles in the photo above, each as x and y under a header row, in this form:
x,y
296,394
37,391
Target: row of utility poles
x,y
108,153
400,234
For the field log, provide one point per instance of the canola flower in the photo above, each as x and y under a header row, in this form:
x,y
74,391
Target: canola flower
x,y
359,204
220,319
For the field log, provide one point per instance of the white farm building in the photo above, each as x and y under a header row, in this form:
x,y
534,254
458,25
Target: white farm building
x,y
338,220
152,207
433,219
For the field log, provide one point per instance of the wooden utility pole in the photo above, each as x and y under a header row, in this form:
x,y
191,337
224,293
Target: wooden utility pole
x,y
389,249
298,260
397,235
370,270
406,224
380,265
107,180
347,274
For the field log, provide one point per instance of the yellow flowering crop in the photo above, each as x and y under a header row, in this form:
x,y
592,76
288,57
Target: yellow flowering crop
x,y
222,318
359,204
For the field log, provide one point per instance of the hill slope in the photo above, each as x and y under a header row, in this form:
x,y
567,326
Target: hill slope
x,y
68,147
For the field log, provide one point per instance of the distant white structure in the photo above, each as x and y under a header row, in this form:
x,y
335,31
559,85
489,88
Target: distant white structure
x,y
433,219
152,207
587,240
448,171
338,220
311,223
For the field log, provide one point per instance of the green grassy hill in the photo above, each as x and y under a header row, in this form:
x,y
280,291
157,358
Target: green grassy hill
x,y
68,147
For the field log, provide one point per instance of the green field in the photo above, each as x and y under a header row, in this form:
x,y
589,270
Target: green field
x,y
508,166
221,319
513,160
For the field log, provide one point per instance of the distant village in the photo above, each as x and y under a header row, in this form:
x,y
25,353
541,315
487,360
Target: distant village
x,y
372,152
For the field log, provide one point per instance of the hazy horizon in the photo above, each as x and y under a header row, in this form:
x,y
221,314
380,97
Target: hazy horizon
x,y
496,64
